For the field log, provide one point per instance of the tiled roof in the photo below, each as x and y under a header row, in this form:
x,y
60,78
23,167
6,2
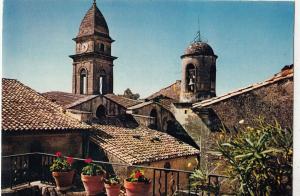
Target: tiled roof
x,y
172,91
284,74
140,145
122,101
67,100
25,109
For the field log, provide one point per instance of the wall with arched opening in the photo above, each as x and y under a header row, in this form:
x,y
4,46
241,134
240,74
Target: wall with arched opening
x,y
101,111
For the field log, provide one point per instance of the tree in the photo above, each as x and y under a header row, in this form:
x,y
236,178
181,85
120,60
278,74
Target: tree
x,y
128,94
260,157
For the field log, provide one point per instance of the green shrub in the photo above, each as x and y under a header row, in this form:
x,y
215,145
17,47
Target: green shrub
x,y
260,157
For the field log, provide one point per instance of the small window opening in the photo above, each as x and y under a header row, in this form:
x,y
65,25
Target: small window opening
x,y
101,85
167,165
153,124
102,47
101,112
83,82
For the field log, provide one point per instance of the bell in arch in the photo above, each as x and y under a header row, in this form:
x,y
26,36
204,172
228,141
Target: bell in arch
x,y
191,82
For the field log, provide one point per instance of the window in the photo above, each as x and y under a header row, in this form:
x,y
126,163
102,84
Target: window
x,y
153,124
83,81
190,77
102,47
101,85
101,112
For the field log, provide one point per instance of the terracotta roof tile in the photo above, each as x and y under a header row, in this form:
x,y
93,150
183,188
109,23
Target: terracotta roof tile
x,y
25,109
140,145
123,101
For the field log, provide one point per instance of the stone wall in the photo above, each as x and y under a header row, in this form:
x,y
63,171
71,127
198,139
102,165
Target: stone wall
x,y
274,101
111,108
163,116
67,143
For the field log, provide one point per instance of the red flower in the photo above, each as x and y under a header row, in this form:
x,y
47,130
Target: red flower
x,y
138,174
58,154
70,160
88,160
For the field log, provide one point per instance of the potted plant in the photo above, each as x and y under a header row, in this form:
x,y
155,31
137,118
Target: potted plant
x,y
112,186
199,180
92,176
137,184
62,172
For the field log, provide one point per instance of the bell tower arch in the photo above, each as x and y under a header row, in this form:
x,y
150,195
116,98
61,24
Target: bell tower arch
x,y
92,61
198,80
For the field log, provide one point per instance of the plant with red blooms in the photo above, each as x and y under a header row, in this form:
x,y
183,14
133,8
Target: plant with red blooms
x,y
61,164
92,169
88,160
138,176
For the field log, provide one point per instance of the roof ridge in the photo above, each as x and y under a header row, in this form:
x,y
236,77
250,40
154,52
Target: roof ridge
x,y
254,86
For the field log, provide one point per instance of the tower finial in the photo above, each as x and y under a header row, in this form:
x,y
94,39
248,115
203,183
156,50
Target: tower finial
x,y
198,35
94,2
199,32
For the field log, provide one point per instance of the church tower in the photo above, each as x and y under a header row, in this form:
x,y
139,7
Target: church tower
x,y
92,61
198,72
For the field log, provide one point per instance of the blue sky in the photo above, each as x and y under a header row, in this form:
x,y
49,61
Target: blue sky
x,y
253,40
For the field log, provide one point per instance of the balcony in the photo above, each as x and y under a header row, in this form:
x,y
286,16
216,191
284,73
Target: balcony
x,y
29,174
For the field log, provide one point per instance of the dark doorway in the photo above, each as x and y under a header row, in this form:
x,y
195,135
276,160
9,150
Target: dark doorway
x,y
153,124
101,112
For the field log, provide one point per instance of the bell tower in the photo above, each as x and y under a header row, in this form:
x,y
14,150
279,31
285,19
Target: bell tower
x,y
92,61
198,72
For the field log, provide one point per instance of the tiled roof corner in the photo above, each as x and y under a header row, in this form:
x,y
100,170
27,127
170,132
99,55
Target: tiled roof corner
x,y
25,109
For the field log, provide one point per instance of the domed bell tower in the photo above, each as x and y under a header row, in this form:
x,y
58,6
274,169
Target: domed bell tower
x,y
198,72
93,62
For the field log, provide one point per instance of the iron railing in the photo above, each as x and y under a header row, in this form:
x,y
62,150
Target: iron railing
x,y
22,169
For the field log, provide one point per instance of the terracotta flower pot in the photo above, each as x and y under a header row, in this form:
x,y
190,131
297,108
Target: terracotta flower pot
x,y
93,185
112,190
137,188
63,180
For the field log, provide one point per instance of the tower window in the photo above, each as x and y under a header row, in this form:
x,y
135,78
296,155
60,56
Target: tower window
x,y
190,77
101,85
102,47
83,81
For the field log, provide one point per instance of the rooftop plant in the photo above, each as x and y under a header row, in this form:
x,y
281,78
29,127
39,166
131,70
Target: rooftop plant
x,y
260,157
